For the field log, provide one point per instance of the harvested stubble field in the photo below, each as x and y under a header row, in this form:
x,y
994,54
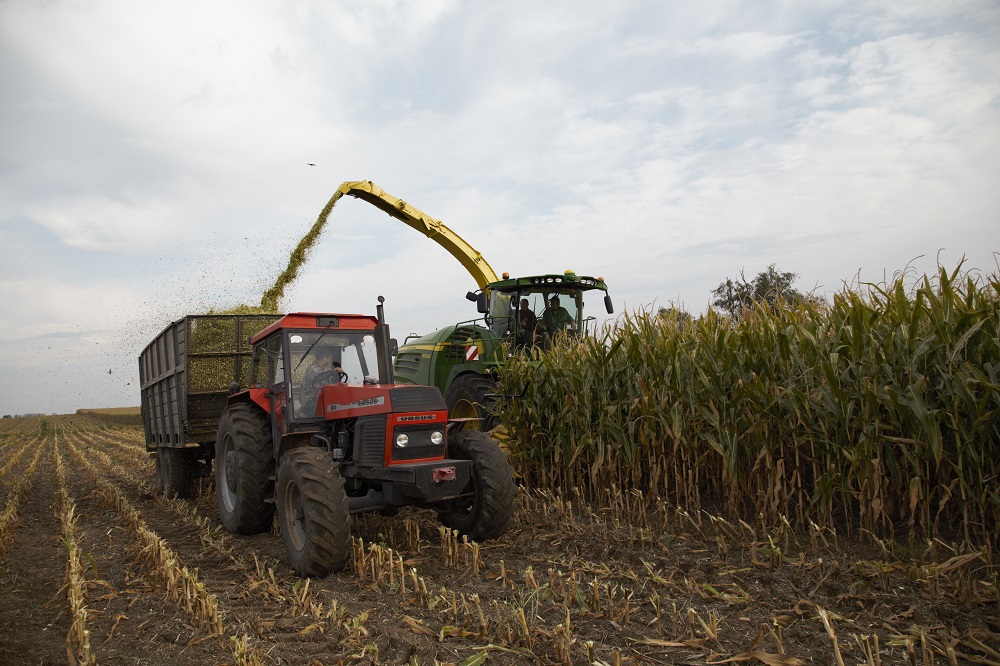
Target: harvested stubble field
x,y
97,569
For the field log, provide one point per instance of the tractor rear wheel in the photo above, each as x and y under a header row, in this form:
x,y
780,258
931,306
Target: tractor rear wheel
x,y
313,512
488,514
467,397
244,470
174,472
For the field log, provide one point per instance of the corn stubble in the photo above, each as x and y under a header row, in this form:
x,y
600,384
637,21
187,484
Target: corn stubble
x,y
880,411
623,576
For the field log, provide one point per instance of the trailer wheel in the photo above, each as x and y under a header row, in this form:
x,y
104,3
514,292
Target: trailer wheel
x,y
467,397
488,514
161,471
313,512
174,472
244,470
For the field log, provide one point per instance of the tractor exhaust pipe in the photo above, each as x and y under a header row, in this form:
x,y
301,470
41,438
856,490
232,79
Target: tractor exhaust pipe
x,y
385,375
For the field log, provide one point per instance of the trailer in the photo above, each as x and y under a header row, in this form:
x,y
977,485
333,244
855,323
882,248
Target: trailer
x,y
185,377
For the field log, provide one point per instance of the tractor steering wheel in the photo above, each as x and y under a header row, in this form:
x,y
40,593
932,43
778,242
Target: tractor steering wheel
x,y
332,376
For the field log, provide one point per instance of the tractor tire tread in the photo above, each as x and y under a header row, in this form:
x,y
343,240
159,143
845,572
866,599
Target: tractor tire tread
x,y
326,513
493,509
252,442
473,388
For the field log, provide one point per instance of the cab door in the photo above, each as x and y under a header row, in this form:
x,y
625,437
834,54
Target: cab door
x,y
279,386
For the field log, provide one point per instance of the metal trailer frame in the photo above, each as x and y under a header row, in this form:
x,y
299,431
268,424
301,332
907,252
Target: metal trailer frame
x,y
185,373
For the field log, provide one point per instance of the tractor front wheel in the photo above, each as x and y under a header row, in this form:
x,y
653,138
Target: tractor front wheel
x,y
490,510
174,472
313,512
244,470
467,397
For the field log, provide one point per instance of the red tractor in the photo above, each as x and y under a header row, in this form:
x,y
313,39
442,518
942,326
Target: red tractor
x,y
317,436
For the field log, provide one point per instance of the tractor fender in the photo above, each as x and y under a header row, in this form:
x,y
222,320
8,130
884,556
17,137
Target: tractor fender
x,y
255,396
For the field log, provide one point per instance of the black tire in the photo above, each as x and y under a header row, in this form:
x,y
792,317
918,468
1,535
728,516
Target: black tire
x,y
244,470
313,513
467,397
490,511
174,472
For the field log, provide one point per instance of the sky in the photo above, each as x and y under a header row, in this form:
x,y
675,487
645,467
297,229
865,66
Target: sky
x,y
155,158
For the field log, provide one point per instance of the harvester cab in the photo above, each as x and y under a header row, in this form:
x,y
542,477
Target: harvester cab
x,y
323,432
532,311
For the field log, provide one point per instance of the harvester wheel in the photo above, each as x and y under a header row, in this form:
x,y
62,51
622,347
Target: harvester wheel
x,y
488,514
244,470
313,512
466,397
174,472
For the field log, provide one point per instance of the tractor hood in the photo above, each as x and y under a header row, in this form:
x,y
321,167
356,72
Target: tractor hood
x,y
338,401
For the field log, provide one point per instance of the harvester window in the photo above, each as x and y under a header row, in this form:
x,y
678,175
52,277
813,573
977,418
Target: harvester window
x,y
558,314
501,320
525,321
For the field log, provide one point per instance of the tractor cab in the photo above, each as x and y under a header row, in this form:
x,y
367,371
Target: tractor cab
x,y
302,351
296,356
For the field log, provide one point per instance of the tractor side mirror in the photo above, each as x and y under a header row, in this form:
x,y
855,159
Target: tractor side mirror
x,y
483,302
393,347
471,296
607,303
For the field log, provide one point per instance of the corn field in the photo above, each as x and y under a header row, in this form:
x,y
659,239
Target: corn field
x,y
879,411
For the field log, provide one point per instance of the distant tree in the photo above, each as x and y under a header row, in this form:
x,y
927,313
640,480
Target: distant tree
x,y
674,313
736,297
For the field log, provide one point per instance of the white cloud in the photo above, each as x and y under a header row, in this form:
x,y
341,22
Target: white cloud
x,y
40,305
740,45
101,224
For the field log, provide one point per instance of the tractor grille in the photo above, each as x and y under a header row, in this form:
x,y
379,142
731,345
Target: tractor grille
x,y
459,341
419,446
416,399
369,440
407,364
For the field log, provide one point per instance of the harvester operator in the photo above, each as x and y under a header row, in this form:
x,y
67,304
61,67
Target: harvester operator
x,y
556,318
526,322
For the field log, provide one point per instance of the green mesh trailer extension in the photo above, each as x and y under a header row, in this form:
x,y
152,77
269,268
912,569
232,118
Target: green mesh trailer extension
x,y
185,374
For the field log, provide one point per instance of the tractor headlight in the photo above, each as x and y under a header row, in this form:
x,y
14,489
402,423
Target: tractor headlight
x,y
402,439
436,437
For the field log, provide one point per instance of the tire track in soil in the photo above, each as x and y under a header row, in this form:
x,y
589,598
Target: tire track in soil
x,y
33,614
131,620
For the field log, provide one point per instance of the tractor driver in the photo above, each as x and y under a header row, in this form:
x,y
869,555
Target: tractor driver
x,y
323,370
556,318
